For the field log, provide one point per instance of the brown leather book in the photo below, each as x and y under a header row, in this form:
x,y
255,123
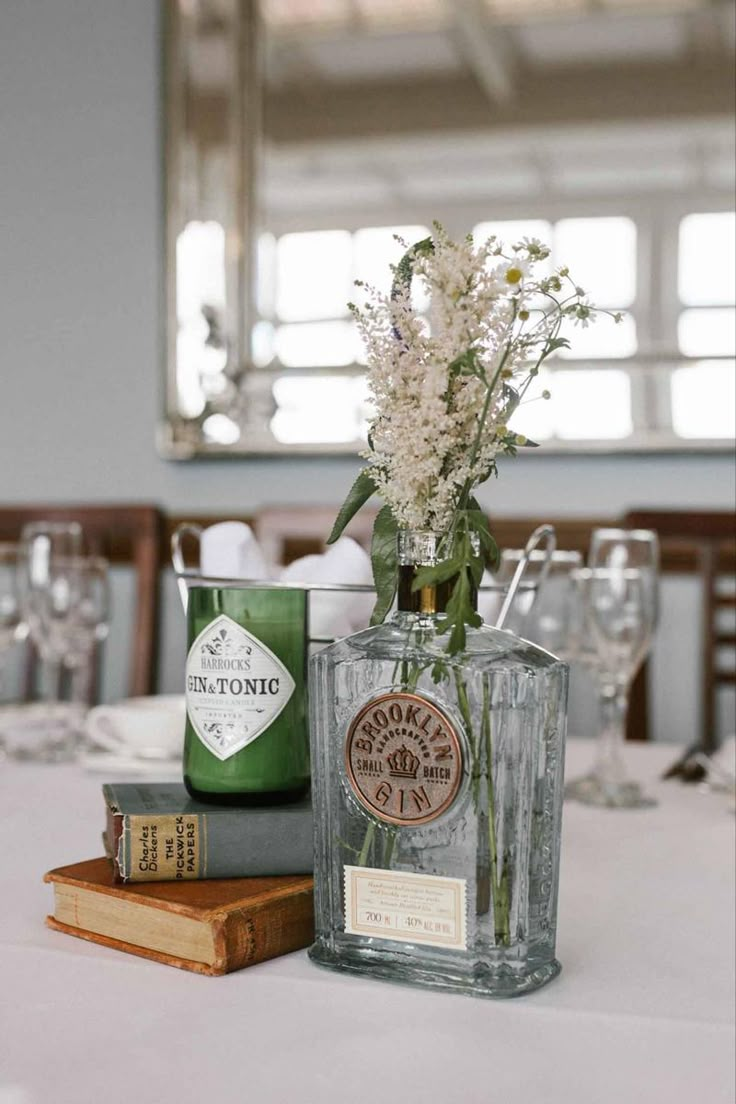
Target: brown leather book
x,y
211,927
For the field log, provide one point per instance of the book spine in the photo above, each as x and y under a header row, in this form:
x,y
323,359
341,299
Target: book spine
x,y
241,938
156,847
248,936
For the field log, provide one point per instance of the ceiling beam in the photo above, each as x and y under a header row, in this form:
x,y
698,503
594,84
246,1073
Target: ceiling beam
x,y
485,47
580,94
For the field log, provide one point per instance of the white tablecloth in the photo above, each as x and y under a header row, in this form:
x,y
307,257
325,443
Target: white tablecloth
x,y
643,1010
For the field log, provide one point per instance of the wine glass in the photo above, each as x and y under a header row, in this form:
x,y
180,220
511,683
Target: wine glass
x,y
49,589
12,627
88,624
617,616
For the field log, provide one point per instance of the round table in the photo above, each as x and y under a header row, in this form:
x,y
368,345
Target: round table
x,y
643,1010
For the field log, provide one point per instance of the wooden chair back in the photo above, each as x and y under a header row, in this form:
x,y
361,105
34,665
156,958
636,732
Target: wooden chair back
x,y
573,534
125,535
704,541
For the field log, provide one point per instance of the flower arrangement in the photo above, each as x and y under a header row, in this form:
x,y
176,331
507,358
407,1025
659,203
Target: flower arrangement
x,y
444,394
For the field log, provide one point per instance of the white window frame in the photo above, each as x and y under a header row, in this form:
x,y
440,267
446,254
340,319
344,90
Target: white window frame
x,y
656,308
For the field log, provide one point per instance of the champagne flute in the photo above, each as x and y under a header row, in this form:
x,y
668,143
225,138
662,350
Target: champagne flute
x,y
47,588
12,627
48,579
88,624
617,621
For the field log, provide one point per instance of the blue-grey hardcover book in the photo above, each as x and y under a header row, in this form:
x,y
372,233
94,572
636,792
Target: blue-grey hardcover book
x,y
156,832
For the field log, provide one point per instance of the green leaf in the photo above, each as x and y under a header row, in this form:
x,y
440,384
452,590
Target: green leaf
x,y
552,346
511,398
476,567
384,559
405,268
436,573
459,613
458,638
358,495
478,522
466,364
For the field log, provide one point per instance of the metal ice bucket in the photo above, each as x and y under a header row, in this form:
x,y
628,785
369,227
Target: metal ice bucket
x,y
519,592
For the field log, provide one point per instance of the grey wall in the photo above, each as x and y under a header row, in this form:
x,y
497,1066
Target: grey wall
x,y
80,307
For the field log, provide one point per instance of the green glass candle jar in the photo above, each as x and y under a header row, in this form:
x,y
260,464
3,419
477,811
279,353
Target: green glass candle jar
x,y
246,739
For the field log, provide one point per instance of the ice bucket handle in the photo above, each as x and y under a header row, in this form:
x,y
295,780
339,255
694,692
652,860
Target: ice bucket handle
x,y
543,533
186,529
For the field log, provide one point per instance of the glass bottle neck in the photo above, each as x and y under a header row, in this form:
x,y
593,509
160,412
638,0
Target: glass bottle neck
x,y
426,600
417,549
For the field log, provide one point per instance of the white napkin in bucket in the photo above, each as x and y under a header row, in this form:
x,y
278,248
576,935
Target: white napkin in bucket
x,y
333,614
229,550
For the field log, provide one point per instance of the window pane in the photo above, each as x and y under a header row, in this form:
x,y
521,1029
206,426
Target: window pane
x,y
706,270
221,430
602,338
266,274
707,332
262,344
534,416
587,405
704,399
313,409
313,275
601,256
190,396
376,249
316,344
200,269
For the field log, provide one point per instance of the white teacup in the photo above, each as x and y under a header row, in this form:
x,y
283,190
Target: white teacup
x,y
143,728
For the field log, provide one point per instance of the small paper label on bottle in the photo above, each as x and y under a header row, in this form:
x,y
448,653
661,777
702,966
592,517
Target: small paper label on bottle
x,y
235,687
410,908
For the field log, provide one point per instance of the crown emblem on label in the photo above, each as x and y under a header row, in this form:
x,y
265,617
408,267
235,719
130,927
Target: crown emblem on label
x,y
402,763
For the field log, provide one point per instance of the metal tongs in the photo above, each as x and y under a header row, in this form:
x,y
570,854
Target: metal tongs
x,y
542,533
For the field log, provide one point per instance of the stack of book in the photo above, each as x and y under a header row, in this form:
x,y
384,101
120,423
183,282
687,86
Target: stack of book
x,y
201,887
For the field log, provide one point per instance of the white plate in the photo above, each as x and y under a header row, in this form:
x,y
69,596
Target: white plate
x,y
102,762
25,715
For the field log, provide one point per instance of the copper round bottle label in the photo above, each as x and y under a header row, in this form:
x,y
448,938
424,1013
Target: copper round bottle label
x,y
403,759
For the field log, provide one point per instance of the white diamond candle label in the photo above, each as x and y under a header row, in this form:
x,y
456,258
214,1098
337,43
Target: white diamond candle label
x,y
235,687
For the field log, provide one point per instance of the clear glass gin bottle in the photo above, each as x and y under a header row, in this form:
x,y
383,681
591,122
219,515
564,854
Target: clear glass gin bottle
x,y
437,793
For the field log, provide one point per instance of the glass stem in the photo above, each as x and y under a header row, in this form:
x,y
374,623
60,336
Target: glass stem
x,y
79,684
78,691
613,705
50,680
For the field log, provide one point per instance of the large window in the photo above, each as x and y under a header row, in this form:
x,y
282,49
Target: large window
x,y
663,377
703,393
306,282
590,402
